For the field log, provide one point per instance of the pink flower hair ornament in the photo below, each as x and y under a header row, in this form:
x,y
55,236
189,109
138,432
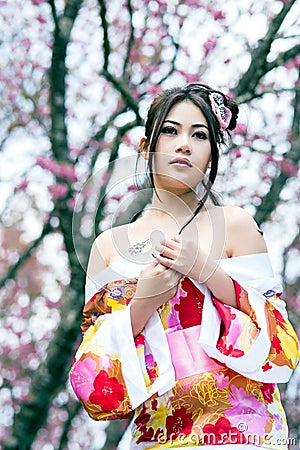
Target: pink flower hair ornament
x,y
222,113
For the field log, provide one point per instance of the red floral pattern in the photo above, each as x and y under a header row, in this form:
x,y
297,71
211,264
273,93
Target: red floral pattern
x,y
268,390
189,309
222,433
180,422
197,405
108,392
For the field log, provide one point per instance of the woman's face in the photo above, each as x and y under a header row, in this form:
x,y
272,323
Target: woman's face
x,y
183,149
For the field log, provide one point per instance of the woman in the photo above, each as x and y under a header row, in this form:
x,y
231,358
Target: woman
x,y
184,322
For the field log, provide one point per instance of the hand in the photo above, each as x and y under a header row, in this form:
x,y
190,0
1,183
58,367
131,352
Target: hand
x,y
157,283
186,258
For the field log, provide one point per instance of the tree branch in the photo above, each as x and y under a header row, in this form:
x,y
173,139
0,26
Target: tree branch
x,y
248,97
269,202
106,44
112,161
131,37
141,199
52,372
57,75
67,425
259,66
114,433
12,271
283,57
123,90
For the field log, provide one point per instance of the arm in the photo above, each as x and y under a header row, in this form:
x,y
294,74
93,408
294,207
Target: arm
x,y
257,338
242,238
155,286
112,373
244,323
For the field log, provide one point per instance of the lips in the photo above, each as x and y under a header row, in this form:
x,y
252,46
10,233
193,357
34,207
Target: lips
x,y
185,162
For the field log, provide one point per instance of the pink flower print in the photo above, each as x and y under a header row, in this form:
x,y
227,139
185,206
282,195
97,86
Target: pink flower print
x,y
82,378
278,422
247,409
221,381
105,361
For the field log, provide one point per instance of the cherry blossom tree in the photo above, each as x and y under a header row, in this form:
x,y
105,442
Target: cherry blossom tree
x,y
77,77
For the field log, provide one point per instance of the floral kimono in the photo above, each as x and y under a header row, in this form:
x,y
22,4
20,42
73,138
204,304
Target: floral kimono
x,y
201,373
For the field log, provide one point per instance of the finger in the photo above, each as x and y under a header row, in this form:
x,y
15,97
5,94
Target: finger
x,y
177,239
171,243
168,253
163,245
167,262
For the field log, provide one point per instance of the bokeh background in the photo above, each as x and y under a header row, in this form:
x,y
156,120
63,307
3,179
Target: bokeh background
x,y
76,79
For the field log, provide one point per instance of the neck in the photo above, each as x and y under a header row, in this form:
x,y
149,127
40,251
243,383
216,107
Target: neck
x,y
180,206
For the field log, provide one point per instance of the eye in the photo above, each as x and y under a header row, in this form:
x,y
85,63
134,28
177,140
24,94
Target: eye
x,y
169,130
200,135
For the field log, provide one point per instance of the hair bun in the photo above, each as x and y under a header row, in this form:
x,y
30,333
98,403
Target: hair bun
x,y
232,105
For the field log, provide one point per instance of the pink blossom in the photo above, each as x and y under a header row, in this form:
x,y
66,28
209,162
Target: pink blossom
x,y
269,158
22,185
208,46
71,204
105,179
293,63
288,167
134,54
58,191
132,188
236,153
217,14
38,2
241,129
191,77
67,171
154,89
78,151
25,44
116,197
46,163
41,19
193,3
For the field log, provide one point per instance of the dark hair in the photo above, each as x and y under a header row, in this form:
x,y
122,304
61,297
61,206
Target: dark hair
x,y
198,94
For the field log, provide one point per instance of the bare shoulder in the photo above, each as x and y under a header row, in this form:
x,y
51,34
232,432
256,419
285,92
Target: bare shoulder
x,y
106,241
103,250
244,237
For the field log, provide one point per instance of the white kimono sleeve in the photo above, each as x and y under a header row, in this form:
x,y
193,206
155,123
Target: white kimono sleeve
x,y
256,339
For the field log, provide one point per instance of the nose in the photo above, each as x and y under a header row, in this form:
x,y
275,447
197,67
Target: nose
x,y
184,147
